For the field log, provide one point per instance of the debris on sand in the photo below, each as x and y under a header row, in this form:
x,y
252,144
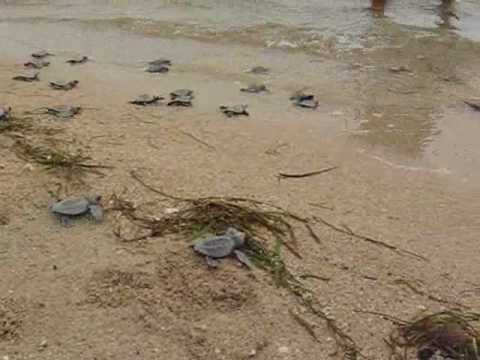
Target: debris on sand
x,y
10,123
78,206
27,77
64,85
146,99
55,158
307,174
447,334
235,110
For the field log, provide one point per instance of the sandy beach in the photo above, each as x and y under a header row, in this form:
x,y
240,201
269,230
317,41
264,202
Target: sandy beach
x,y
404,144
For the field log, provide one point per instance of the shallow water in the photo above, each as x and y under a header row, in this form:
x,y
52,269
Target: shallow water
x,y
306,24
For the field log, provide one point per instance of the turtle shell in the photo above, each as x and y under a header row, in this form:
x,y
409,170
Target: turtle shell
x,y
37,64
160,61
216,246
64,111
157,68
254,88
183,93
259,70
64,85
77,60
308,103
185,101
300,96
145,99
41,54
27,76
234,110
72,206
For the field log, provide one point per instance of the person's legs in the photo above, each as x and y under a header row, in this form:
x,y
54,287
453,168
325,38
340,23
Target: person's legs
x,y
378,5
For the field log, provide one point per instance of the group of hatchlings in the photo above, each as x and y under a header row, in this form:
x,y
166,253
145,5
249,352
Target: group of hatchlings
x,y
181,97
212,247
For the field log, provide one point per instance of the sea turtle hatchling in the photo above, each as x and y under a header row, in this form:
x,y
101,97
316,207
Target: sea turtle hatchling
x,y
255,88
146,99
63,85
182,93
41,54
181,101
234,110
220,246
63,111
27,77
157,68
160,61
80,59
307,103
301,99
259,70
78,206
36,64
5,113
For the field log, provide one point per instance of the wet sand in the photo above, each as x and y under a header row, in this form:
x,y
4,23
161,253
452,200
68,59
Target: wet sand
x,y
408,171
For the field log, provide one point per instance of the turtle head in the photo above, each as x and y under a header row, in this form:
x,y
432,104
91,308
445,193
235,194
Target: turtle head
x,y
94,198
237,236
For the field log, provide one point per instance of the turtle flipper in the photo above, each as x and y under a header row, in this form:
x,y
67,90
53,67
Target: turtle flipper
x,y
211,262
97,212
243,258
65,220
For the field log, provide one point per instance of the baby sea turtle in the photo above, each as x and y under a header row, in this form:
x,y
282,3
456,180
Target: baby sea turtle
x,y
160,61
234,110
41,54
308,103
63,85
301,99
36,64
259,70
157,68
183,101
145,99
181,97
80,59
27,77
5,112
78,206
184,93
255,88
64,111
220,246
